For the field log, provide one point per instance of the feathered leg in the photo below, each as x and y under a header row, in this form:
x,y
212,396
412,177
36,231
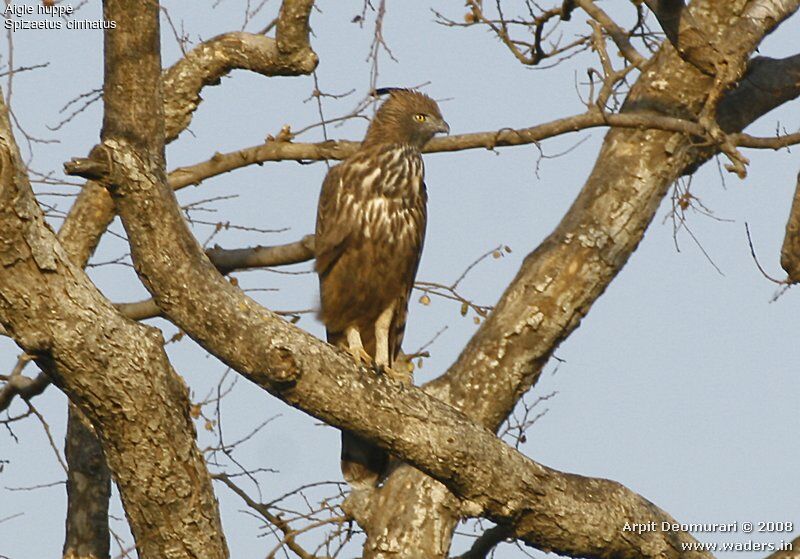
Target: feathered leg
x,y
382,331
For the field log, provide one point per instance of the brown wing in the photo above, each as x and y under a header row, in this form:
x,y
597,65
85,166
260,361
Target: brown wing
x,y
336,231
332,228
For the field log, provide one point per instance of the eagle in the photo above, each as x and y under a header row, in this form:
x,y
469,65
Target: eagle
x,y
370,230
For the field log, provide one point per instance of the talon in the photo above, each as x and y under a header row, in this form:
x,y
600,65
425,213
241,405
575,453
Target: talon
x,y
401,374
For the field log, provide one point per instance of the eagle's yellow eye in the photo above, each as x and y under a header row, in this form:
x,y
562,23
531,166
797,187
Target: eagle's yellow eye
x,y
419,117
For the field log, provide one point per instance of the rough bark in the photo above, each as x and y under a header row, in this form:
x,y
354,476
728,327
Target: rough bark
x,y
90,215
790,251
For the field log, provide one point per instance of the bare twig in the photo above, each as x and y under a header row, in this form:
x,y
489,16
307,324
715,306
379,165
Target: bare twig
x,y
48,434
755,259
285,528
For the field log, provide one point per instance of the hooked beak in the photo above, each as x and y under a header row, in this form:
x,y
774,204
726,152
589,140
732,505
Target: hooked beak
x,y
443,127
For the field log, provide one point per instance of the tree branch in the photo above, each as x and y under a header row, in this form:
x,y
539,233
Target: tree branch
x,y
208,62
486,542
18,384
293,31
617,34
222,163
88,490
689,33
227,261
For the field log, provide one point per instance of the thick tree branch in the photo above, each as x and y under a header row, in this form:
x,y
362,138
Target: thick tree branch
x,y
293,31
87,535
18,384
486,542
767,83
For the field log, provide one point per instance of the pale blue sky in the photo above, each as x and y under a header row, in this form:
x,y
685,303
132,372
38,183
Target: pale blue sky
x,y
681,383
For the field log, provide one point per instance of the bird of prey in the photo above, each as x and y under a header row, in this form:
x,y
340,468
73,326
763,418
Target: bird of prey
x,y
369,235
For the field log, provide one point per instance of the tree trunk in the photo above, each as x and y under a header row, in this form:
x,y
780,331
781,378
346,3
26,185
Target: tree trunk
x,y
88,490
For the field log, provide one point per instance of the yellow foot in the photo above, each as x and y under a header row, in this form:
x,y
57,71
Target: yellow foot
x,y
359,355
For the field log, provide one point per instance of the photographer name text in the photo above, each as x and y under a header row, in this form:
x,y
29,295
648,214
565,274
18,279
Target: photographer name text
x,y
744,527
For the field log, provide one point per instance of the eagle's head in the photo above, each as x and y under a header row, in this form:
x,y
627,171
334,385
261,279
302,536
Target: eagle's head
x,y
406,117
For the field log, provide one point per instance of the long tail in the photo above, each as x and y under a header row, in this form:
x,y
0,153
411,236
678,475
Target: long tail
x,y
363,464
